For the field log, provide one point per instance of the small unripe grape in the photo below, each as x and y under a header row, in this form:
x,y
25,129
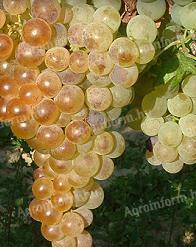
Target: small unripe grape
x,y
52,232
124,52
30,94
51,136
68,77
49,83
8,88
79,62
38,173
60,166
49,10
39,158
6,46
65,151
36,32
98,99
62,201
30,56
42,188
15,7
72,224
78,132
75,34
46,112
61,184
57,58
100,63
93,36
25,130
2,18
70,99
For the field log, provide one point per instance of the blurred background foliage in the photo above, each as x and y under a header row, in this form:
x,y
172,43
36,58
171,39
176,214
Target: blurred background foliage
x,y
134,184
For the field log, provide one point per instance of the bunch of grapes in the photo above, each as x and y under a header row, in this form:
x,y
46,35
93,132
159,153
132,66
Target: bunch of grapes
x,y
63,76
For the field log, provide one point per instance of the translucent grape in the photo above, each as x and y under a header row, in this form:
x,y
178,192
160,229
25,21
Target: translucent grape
x,y
152,159
46,112
30,94
125,77
100,63
50,216
109,16
60,166
79,62
39,158
188,125
72,224
60,38
75,34
51,136
36,207
48,172
187,148
81,196
183,2
65,151
3,109
57,58
180,105
15,7
93,37
86,214
164,153
97,121
36,32
30,56
42,188
65,242
119,147
189,86
49,83
81,115
62,201
5,68
69,77
25,130
85,148
146,51
61,184
8,88
188,16
70,99
82,13
96,197
187,161
124,52
84,239
155,10
106,170
147,30
121,96
87,164
63,120
6,46
52,232
104,143
35,143
170,134
100,81
49,10
173,167
2,18
150,126
77,181
114,3
66,13
98,99
176,13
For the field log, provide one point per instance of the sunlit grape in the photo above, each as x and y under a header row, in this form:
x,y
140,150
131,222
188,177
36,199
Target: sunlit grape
x,y
75,34
189,86
114,3
61,184
65,151
49,83
52,232
188,125
60,166
48,10
81,115
30,94
85,148
42,188
69,77
97,121
79,62
50,216
106,170
104,143
2,18
38,173
35,143
29,56
3,110
5,68
82,13
46,112
8,88
93,36
152,159
81,196
100,81
6,46
57,58
25,130
62,201
63,120
15,7
121,96
164,153
66,13
77,181
150,126
70,99
48,171
36,208
39,158
84,239
100,63
86,214
51,136
146,51
124,52
119,147
173,167
187,148
125,77
65,242
60,37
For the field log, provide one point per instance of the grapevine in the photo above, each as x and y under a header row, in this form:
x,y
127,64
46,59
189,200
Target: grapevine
x,y
68,69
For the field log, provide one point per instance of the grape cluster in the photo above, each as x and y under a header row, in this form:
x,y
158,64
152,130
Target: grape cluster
x,y
171,121
63,76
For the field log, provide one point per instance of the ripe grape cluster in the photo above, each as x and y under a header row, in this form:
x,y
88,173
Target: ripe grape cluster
x,y
171,121
63,76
